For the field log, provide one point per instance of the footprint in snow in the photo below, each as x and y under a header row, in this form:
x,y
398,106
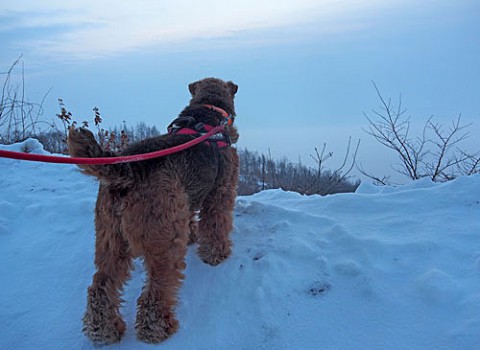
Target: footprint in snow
x,y
318,288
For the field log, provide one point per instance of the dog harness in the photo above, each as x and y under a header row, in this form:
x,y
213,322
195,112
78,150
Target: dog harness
x,y
187,125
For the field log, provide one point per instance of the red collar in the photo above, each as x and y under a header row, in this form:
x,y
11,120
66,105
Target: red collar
x,y
228,117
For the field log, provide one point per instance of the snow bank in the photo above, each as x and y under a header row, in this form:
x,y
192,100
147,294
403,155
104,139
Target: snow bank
x,y
28,146
385,268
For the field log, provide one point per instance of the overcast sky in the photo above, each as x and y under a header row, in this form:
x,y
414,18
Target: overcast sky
x,y
304,68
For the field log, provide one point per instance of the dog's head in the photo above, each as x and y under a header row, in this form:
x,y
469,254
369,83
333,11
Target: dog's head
x,y
218,93
214,92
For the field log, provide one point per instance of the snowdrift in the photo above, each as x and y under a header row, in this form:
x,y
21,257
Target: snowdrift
x,y
384,268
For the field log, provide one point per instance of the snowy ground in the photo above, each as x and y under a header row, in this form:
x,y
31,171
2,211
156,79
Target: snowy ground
x,y
385,268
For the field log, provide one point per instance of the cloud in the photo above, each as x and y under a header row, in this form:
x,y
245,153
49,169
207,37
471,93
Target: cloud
x,y
91,29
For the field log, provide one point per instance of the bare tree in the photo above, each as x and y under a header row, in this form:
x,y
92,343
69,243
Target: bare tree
x,y
392,129
379,181
434,154
332,179
320,158
19,118
470,164
445,160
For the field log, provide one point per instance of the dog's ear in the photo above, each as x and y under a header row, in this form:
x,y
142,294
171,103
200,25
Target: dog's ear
x,y
193,88
232,87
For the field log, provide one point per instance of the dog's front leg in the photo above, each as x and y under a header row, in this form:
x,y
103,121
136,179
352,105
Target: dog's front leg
x,y
217,214
214,242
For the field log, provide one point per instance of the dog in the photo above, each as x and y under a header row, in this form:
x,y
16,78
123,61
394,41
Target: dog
x,y
150,209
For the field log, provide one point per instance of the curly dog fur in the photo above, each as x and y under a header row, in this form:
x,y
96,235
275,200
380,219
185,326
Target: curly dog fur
x,y
147,209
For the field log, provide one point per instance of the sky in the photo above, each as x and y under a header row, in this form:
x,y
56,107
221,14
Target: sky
x,y
304,68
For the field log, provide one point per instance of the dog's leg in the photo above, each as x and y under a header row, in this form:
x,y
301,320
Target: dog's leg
x,y
214,229
164,240
102,322
217,215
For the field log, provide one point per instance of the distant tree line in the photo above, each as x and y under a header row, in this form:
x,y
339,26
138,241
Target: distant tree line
x,y
260,172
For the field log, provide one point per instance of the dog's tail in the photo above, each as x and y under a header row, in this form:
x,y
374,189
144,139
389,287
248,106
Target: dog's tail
x,y
82,143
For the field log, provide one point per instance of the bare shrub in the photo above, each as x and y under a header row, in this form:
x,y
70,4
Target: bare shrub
x,y
19,118
435,154
327,181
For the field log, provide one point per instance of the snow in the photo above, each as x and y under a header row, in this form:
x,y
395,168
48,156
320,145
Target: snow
x,y
383,268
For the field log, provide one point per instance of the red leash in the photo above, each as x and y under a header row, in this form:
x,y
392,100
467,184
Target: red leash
x,y
109,160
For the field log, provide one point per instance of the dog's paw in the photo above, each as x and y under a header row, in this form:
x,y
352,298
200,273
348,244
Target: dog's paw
x,y
103,332
214,255
154,324
102,323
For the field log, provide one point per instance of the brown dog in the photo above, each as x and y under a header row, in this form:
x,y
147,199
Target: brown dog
x,y
147,208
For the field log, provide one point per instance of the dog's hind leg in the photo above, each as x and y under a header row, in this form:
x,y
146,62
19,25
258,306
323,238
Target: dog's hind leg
x,y
217,215
166,227
102,322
